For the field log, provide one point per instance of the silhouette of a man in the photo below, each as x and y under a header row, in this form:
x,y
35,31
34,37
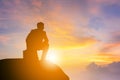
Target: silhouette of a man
x,y
37,40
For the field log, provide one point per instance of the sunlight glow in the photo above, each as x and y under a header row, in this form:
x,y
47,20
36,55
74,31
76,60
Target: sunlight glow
x,y
52,56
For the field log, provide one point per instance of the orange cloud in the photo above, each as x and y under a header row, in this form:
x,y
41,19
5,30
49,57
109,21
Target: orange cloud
x,y
63,37
105,58
108,47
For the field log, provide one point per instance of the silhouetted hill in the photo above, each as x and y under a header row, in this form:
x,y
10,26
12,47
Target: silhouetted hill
x,y
21,69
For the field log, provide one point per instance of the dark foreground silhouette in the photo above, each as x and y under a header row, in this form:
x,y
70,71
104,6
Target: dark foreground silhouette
x,y
30,68
37,40
24,69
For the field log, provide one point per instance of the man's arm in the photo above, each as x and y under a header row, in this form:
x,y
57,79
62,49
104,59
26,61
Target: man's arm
x,y
45,38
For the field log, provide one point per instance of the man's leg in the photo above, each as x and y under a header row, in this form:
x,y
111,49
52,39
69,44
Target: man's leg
x,y
44,53
31,52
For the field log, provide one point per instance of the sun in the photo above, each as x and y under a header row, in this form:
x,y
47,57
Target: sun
x,y
52,56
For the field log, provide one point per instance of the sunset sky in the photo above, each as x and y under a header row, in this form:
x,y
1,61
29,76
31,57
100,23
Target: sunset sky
x,y
79,31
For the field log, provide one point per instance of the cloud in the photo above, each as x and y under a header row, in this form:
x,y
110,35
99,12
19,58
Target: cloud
x,y
65,28
105,58
3,19
4,39
108,72
115,37
112,45
108,47
104,1
37,3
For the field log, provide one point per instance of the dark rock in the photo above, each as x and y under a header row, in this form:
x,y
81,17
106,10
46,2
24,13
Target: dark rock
x,y
22,69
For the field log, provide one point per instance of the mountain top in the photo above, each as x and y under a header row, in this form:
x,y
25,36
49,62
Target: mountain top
x,y
22,69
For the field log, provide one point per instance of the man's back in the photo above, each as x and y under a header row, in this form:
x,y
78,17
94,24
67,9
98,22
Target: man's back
x,y
36,38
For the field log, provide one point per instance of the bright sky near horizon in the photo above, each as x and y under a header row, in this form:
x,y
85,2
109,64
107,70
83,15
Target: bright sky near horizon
x,y
79,31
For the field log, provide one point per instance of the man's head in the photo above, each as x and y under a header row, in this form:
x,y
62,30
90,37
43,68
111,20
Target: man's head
x,y
40,25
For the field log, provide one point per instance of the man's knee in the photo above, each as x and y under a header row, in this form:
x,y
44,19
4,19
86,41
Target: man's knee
x,y
45,45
